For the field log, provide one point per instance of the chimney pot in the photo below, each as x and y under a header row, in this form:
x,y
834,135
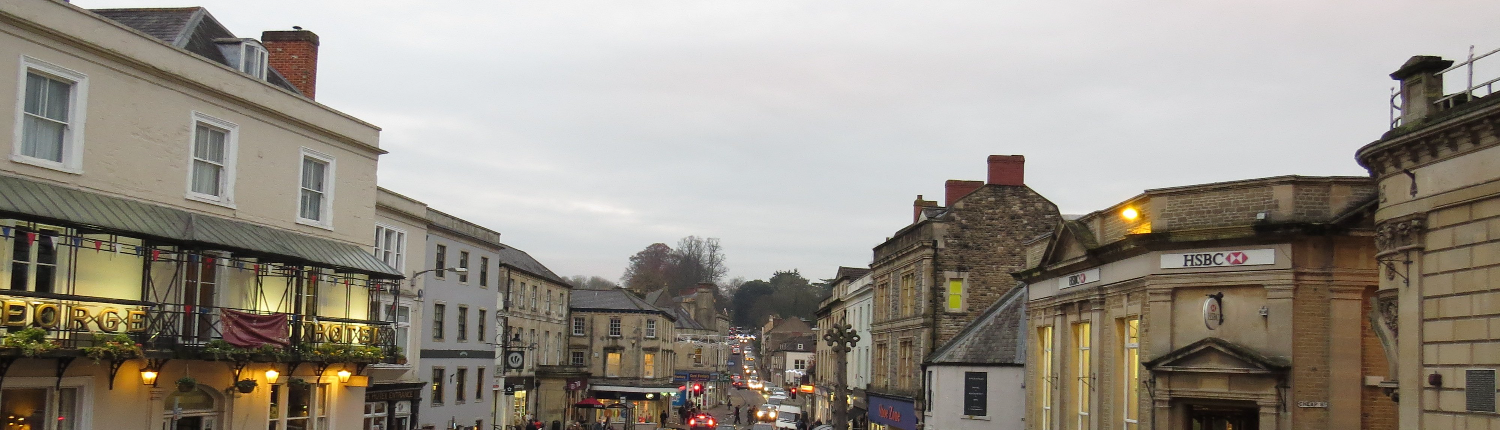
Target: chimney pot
x,y
1007,170
917,206
294,53
1420,86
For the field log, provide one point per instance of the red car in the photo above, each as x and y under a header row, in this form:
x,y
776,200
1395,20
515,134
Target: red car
x,y
702,421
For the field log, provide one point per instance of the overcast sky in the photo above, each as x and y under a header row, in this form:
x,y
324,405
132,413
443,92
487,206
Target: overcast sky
x,y
799,132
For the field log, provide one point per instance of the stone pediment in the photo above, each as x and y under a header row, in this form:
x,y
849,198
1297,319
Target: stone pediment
x,y
1071,241
1214,355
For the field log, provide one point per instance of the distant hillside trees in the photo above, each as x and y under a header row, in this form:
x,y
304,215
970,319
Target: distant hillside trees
x,y
695,260
787,295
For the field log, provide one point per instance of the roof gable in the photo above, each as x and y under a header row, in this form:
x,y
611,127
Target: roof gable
x,y
997,336
1215,355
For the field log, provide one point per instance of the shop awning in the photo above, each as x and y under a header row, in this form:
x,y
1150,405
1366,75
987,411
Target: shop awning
x,y
42,202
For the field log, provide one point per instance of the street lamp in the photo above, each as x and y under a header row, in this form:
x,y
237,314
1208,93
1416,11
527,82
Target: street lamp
x,y
842,338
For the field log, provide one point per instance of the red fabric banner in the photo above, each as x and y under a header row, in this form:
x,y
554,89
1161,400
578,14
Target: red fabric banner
x,y
247,330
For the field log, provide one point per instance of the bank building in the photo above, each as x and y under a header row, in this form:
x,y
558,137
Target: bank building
x,y
1240,305
186,233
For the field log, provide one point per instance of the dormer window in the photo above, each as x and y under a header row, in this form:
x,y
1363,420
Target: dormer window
x,y
253,59
245,55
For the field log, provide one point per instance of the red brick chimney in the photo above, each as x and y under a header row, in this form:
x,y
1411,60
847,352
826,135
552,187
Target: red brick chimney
x,y
1007,170
917,206
294,53
955,189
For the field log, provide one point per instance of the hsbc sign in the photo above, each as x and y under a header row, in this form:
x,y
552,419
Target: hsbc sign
x,y
1080,278
1247,257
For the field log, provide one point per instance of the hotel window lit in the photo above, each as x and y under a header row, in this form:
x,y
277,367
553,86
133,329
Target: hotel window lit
x,y
1131,373
1084,387
1044,375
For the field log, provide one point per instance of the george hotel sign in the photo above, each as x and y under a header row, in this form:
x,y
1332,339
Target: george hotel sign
x,y
1232,258
55,315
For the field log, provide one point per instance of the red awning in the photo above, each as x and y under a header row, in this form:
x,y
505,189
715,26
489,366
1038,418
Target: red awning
x,y
589,402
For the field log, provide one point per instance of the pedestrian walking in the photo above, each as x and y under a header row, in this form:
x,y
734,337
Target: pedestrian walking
x,y
663,421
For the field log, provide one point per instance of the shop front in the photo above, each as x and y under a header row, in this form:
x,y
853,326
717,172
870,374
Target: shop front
x,y
890,413
638,405
389,406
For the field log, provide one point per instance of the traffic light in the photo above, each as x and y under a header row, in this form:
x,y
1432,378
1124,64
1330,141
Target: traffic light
x,y
697,388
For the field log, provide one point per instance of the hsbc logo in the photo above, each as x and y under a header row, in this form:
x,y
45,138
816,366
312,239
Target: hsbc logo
x,y
1249,257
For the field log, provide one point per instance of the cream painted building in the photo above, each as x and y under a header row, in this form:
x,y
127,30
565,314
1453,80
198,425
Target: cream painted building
x,y
1438,225
397,388
1228,305
166,183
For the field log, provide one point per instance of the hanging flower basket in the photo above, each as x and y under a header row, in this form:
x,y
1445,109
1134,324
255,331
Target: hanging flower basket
x,y
246,385
187,384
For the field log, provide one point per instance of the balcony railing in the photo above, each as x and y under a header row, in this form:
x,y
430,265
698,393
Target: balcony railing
x,y
166,330
1470,90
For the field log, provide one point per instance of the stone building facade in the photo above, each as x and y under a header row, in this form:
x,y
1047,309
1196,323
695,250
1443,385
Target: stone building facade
x,y
1438,236
457,352
628,347
1229,305
936,275
533,307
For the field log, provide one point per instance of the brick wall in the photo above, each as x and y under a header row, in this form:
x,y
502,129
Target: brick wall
x,y
1310,363
1378,411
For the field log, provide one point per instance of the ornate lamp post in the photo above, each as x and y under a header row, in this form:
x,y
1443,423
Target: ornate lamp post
x,y
842,338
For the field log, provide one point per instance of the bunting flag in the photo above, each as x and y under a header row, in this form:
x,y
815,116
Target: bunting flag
x,y
30,238
208,260
97,244
155,254
5,230
77,242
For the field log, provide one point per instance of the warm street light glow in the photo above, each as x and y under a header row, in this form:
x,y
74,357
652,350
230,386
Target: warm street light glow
x,y
272,376
148,377
344,376
1130,213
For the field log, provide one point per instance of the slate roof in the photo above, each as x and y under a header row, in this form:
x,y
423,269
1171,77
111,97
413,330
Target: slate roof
x,y
996,337
55,204
520,260
612,300
685,320
189,28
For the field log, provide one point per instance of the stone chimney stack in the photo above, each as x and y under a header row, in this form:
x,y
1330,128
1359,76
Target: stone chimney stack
x,y
1007,170
294,53
955,189
917,206
1420,86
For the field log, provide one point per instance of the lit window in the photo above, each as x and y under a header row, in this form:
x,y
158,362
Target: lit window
x,y
1082,356
648,365
955,295
51,112
1132,373
437,386
316,192
612,365
1044,375
211,176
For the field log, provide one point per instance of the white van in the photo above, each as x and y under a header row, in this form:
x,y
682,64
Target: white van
x,y
787,416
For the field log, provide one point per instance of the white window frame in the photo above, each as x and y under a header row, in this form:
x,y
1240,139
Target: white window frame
x,y
381,245
328,193
651,328
578,326
317,417
231,150
616,327
249,47
73,134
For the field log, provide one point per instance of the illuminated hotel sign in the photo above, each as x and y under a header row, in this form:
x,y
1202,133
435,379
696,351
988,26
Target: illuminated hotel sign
x,y
54,315
338,332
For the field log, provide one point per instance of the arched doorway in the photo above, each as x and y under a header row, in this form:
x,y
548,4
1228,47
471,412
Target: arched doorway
x,y
199,409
